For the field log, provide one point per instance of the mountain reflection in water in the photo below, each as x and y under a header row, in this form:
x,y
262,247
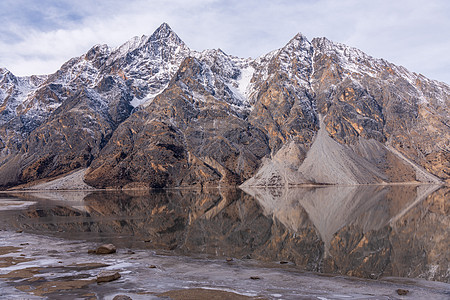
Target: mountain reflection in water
x,y
365,231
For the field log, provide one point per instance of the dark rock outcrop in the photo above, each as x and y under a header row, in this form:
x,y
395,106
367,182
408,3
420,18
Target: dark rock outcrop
x,y
106,249
107,276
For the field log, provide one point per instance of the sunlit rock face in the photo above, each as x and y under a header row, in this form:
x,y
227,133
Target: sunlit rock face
x,y
153,113
186,136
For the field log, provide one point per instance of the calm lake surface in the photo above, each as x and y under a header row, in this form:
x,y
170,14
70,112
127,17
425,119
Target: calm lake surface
x,y
369,232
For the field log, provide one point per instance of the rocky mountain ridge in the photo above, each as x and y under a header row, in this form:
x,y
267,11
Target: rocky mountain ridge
x,y
153,113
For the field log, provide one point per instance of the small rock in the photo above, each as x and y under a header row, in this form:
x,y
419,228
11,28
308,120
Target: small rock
x,y
24,244
107,276
92,251
122,297
60,262
147,241
106,249
19,231
229,259
402,292
255,277
283,262
152,267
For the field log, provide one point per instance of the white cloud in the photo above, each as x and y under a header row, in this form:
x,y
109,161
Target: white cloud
x,y
409,33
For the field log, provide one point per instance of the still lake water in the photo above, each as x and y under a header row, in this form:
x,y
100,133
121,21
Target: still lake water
x,y
282,235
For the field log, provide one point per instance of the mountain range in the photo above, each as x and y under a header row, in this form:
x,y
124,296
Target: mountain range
x,y
153,113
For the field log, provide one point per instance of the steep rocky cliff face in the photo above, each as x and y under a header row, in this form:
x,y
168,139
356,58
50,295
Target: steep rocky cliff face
x,y
153,113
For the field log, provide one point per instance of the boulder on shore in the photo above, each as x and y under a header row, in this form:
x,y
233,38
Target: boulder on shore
x,y
107,276
122,297
104,249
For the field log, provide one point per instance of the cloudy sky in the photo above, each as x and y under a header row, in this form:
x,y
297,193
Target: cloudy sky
x,y
37,36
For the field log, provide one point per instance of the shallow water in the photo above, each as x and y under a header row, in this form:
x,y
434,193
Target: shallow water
x,y
376,232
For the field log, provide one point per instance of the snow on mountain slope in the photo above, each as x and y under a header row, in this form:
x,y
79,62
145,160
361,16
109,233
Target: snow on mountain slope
x,y
244,81
14,91
136,72
148,63
355,65
225,76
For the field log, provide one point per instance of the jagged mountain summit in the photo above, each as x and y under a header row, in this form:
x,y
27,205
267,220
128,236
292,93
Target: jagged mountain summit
x,y
153,113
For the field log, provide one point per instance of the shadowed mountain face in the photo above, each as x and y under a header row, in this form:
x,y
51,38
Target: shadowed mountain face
x,y
153,113
365,231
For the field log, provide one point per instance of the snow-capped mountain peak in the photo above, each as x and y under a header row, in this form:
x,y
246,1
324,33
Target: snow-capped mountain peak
x,y
149,62
165,33
299,40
